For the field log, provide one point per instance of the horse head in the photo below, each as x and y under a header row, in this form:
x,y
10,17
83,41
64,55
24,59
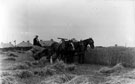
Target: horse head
x,y
90,42
70,45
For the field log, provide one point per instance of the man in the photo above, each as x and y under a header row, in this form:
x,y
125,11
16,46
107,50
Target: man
x,y
36,41
37,48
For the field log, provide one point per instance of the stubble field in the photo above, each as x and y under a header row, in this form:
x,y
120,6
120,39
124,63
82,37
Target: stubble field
x,y
19,67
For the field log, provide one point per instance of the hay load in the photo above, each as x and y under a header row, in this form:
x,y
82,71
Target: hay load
x,y
107,70
34,50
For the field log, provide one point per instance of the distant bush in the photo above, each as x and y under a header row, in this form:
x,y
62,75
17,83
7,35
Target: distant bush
x,y
111,56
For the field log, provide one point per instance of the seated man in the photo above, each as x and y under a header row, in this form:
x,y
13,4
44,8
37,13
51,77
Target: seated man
x,y
36,41
37,48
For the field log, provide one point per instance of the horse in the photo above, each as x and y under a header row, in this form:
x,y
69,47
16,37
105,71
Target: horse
x,y
81,47
62,51
71,49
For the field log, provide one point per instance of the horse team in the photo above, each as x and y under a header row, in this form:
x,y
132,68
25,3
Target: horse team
x,y
67,50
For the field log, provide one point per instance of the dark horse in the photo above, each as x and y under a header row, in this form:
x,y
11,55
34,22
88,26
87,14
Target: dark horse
x,y
62,51
81,47
71,49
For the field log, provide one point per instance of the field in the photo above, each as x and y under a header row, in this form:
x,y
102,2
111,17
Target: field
x,y
111,56
112,65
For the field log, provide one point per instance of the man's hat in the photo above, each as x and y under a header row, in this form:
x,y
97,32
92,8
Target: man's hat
x,y
36,36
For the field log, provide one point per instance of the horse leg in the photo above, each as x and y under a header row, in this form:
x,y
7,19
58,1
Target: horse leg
x,y
51,59
72,57
63,58
69,58
80,58
83,58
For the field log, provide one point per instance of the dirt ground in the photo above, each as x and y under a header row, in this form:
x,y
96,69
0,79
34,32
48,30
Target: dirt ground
x,y
21,68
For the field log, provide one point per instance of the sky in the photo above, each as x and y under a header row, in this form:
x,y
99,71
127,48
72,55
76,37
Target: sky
x,y
108,22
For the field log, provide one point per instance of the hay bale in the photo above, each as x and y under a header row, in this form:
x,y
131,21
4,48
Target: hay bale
x,y
10,59
2,52
104,70
35,63
23,74
29,53
49,82
8,80
19,66
28,63
44,72
118,67
70,67
130,75
11,54
59,64
49,72
79,80
57,79
119,80
39,73
107,70
61,67
5,73
43,61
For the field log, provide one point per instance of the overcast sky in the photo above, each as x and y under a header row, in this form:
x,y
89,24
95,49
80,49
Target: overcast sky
x,y
108,22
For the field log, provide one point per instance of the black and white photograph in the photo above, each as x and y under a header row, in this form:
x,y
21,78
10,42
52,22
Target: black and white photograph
x,y
67,42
